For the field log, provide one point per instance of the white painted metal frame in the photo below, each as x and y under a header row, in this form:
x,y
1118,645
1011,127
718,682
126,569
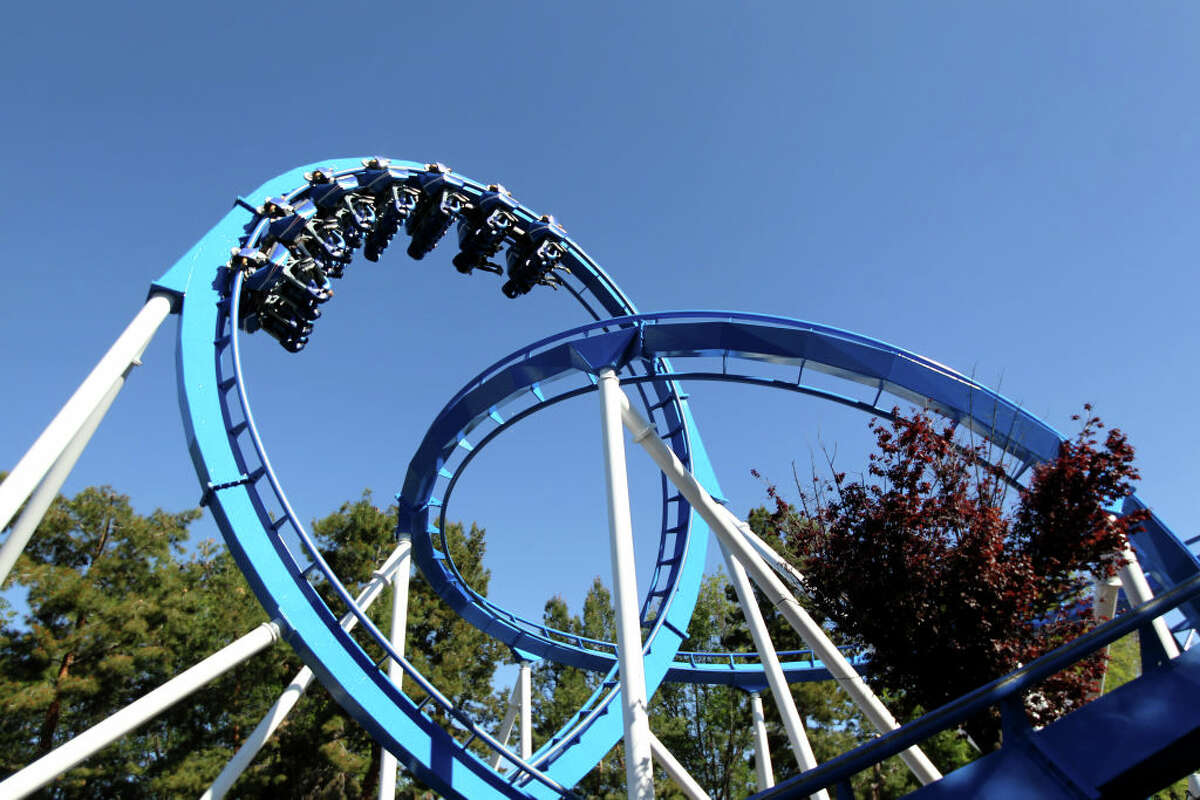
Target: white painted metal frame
x,y
676,771
67,755
278,712
1137,589
388,764
780,691
762,751
639,769
719,520
520,703
49,460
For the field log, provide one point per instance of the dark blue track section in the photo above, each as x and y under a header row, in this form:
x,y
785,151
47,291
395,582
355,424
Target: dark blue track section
x,y
298,231
1128,743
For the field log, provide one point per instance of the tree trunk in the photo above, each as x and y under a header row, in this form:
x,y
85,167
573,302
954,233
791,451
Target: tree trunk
x,y
371,783
54,712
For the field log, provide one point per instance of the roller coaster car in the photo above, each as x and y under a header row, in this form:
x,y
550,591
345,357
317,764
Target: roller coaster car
x,y
339,205
394,205
533,255
439,203
304,282
325,190
278,318
482,229
359,215
325,241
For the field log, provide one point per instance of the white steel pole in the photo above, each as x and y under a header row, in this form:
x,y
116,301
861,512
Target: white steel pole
x,y
1133,580
67,755
773,588
510,720
1104,606
270,722
34,465
639,769
676,771
291,695
388,764
47,490
777,562
525,684
762,751
780,691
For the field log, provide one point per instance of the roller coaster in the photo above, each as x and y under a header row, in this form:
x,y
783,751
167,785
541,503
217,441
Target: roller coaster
x,y
270,265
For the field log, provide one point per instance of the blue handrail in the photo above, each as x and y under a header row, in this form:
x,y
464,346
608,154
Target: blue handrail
x,y
956,711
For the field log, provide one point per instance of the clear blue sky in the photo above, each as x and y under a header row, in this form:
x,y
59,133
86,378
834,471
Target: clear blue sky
x,y
1011,190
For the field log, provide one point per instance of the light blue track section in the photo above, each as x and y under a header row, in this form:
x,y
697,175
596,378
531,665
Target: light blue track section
x,y
271,548
232,467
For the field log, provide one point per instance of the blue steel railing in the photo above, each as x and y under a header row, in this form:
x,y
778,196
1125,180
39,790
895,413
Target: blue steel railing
x,y
839,769
878,369
322,566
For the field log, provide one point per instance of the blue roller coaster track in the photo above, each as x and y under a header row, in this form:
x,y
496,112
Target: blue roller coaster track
x,y
269,266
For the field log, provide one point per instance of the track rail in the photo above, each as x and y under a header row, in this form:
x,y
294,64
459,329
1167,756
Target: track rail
x,y
298,232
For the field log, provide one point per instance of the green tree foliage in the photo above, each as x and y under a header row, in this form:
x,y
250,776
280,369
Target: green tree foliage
x,y
116,609
103,589
709,728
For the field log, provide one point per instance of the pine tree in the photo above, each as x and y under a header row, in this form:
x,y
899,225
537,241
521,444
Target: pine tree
x,y
115,609
105,593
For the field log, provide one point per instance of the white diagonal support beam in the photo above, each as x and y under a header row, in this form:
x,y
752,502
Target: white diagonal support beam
x,y
793,725
509,722
720,520
1104,607
388,764
777,562
278,712
1137,589
639,768
49,447
676,771
67,755
762,751
39,502
520,703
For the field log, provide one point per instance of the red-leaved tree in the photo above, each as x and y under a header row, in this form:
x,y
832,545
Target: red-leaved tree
x,y
923,561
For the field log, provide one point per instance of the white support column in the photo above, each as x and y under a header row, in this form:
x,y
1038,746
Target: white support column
x,y
639,769
266,727
1104,606
525,685
509,722
291,695
780,691
777,562
67,755
1133,580
1137,590
762,751
387,762
675,771
718,520
22,530
34,465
